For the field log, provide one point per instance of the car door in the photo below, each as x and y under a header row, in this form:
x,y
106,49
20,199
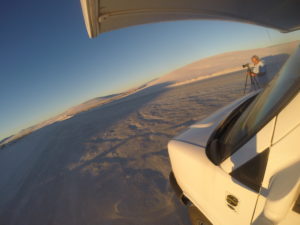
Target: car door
x,y
238,180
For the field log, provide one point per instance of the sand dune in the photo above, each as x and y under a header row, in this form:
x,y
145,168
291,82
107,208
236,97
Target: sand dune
x,y
227,62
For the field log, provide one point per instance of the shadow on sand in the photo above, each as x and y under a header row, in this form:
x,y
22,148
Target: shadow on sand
x,y
75,171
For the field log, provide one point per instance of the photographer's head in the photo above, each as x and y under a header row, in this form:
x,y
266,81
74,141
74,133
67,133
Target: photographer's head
x,y
255,59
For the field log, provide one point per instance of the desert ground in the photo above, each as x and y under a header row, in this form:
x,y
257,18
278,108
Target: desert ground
x,y
109,165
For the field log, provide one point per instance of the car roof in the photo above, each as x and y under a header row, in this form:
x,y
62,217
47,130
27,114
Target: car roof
x,y
105,15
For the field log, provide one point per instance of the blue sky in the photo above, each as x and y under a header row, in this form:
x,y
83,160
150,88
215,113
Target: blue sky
x,y
49,64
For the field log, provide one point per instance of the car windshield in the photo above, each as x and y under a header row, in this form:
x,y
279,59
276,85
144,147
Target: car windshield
x,y
278,93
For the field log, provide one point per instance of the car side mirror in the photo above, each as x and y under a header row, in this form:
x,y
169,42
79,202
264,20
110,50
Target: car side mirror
x,y
213,152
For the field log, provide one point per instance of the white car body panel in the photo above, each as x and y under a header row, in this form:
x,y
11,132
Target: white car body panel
x,y
223,186
281,182
193,158
287,119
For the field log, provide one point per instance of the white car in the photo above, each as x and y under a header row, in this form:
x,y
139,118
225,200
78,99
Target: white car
x,y
242,164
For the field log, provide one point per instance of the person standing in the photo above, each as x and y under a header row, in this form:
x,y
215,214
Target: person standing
x,y
259,71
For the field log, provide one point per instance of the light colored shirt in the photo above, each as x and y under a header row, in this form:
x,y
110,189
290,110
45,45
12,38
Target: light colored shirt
x,y
259,68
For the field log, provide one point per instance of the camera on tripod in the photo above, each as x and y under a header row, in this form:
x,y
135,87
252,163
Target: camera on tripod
x,y
254,83
246,65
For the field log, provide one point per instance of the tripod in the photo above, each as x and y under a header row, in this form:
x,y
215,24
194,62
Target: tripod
x,y
253,81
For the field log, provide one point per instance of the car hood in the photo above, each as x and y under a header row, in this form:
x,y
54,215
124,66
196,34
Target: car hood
x,y
199,133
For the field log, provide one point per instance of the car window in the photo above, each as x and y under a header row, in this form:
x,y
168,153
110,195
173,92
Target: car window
x,y
252,172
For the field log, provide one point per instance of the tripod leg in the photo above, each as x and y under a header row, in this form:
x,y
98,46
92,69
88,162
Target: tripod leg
x,y
257,83
246,83
252,83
